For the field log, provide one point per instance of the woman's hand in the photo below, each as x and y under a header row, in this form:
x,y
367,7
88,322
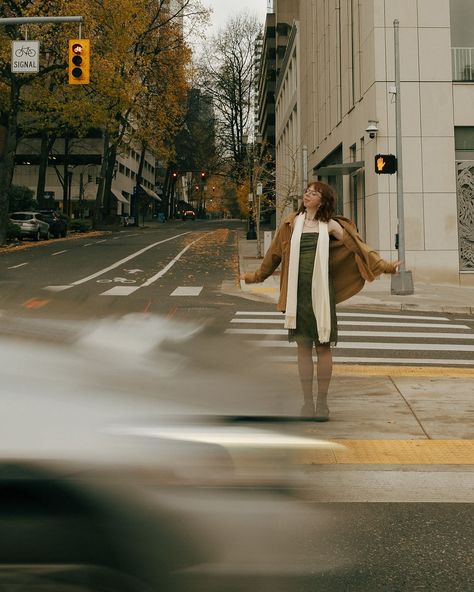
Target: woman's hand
x,y
396,264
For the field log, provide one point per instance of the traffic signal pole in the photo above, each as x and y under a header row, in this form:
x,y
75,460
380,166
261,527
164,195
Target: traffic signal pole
x,y
402,282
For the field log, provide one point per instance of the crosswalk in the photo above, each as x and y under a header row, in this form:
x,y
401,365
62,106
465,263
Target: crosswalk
x,y
369,338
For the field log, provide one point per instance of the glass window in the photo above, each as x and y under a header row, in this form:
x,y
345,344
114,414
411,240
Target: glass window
x,y
464,138
462,17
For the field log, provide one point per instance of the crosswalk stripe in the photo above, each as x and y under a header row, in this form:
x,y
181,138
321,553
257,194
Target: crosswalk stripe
x,y
349,314
356,324
367,360
378,346
396,334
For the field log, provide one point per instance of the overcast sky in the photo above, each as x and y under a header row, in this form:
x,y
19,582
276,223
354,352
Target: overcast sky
x,y
223,9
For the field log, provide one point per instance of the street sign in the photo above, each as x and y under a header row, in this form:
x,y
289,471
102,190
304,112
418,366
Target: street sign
x,y
25,57
385,164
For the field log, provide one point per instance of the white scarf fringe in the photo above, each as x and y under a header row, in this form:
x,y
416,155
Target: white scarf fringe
x,y
320,281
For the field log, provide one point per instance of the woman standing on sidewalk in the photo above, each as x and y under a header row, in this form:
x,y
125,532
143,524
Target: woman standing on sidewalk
x,y
317,273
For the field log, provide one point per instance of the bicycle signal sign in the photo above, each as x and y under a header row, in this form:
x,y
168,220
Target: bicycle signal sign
x,y
25,56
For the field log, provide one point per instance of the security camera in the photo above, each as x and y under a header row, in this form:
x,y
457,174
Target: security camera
x,y
372,129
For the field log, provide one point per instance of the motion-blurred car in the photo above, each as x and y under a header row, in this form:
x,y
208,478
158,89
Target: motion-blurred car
x,y
120,472
32,225
57,222
188,215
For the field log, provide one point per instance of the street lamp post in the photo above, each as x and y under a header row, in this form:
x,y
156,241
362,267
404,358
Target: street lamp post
x,y
251,234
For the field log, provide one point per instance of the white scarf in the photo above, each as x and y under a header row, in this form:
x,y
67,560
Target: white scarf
x,y
320,281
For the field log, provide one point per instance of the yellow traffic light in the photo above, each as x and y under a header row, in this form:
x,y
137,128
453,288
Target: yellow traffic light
x,y
79,61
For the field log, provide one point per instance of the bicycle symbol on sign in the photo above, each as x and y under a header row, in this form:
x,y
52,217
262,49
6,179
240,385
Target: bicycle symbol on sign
x,y
117,280
25,51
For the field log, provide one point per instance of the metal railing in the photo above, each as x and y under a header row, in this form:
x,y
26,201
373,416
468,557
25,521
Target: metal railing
x,y
462,59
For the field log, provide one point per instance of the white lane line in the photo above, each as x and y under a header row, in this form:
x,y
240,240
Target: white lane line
x,y
19,265
187,291
88,245
113,292
57,288
399,334
59,252
118,263
357,324
392,361
101,241
376,346
170,264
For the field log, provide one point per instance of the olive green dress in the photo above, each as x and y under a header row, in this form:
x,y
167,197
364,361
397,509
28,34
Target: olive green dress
x,y
306,330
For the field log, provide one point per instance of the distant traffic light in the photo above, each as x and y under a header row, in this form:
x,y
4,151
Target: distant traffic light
x,y
79,61
203,175
385,164
174,175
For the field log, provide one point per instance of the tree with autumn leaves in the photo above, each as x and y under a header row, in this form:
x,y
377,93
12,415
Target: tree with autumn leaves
x,y
139,62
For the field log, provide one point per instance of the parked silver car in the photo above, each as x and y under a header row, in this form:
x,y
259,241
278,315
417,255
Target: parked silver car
x,y
32,225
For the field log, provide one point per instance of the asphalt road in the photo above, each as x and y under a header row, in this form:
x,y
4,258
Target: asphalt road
x,y
177,270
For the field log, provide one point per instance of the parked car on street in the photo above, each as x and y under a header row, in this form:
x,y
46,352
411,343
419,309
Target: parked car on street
x,y
32,225
57,222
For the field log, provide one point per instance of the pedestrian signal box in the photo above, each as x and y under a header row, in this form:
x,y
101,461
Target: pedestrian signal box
x,y
79,61
385,164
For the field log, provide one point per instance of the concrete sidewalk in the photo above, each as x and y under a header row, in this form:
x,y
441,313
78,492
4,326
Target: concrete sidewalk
x,y
395,408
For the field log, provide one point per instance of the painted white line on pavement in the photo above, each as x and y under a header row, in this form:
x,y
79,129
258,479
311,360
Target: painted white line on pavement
x,y
59,252
187,291
391,361
16,266
120,291
391,316
353,314
388,324
356,324
170,264
101,241
57,288
160,273
376,346
263,314
121,262
400,334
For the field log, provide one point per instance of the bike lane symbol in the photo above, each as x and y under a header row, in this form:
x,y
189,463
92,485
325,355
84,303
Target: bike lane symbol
x,y
116,280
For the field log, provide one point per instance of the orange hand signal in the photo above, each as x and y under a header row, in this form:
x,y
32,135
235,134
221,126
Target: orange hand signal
x,y
380,163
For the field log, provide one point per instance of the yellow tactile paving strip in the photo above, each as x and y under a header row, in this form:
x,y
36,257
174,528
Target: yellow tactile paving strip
x,y
392,452
433,371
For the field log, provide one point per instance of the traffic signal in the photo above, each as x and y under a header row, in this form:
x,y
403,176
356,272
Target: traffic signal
x,y
174,175
385,164
203,175
79,61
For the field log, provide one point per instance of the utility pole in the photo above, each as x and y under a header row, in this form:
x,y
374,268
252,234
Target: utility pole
x,y
402,281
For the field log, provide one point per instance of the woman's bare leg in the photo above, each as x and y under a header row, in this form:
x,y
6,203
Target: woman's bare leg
x,y
306,372
324,370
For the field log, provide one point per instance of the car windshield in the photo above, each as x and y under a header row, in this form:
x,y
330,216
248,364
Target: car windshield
x,y
21,216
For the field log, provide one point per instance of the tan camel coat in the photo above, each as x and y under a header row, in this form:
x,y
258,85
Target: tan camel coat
x,y
351,261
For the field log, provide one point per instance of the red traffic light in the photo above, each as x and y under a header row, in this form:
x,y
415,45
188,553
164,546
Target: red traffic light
x,y
203,175
174,174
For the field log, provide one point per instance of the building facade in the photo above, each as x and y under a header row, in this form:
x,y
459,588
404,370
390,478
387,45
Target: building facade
x,y
336,78
79,161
